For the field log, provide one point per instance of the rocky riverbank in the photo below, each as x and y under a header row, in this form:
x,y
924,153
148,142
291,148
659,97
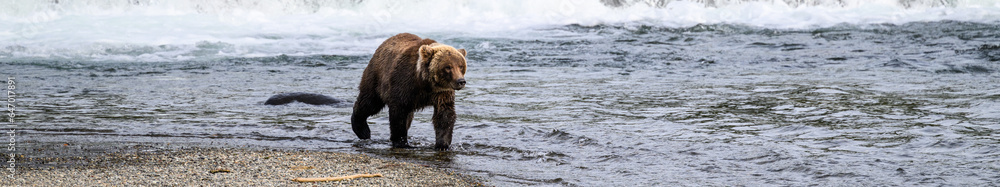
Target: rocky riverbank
x,y
228,167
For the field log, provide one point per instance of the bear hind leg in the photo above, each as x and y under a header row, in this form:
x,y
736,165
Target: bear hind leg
x,y
364,108
399,124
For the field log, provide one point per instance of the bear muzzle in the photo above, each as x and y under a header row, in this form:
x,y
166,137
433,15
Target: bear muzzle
x,y
459,84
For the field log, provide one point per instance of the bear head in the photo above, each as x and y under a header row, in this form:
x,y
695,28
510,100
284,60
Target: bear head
x,y
443,66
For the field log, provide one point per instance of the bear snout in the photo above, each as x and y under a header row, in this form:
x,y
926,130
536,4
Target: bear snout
x,y
459,84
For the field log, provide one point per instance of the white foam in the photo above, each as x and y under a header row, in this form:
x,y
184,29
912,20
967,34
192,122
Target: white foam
x,y
153,30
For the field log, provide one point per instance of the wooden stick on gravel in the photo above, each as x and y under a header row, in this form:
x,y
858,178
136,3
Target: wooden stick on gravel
x,y
323,179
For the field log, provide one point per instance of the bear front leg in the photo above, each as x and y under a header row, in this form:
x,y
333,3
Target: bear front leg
x,y
444,120
399,123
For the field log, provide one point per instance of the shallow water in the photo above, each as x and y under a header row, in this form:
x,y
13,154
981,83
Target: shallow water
x,y
625,104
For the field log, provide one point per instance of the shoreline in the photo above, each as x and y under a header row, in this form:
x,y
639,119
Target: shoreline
x,y
246,167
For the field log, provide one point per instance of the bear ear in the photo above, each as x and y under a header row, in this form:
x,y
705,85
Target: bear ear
x,y
424,57
426,51
462,51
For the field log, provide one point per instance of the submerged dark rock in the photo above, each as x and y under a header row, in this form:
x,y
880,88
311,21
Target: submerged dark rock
x,y
986,51
990,52
307,98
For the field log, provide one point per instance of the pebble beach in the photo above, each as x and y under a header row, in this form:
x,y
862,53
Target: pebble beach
x,y
229,167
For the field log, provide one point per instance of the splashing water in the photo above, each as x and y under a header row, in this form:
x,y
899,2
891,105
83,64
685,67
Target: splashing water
x,y
150,30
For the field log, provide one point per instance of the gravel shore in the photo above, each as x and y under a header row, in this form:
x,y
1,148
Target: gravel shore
x,y
228,167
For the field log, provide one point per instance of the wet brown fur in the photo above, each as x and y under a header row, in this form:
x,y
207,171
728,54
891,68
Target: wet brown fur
x,y
408,73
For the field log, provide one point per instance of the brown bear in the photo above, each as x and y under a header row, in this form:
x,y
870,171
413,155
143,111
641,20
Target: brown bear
x,y
408,73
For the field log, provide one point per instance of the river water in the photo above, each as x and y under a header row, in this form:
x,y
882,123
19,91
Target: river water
x,y
719,94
